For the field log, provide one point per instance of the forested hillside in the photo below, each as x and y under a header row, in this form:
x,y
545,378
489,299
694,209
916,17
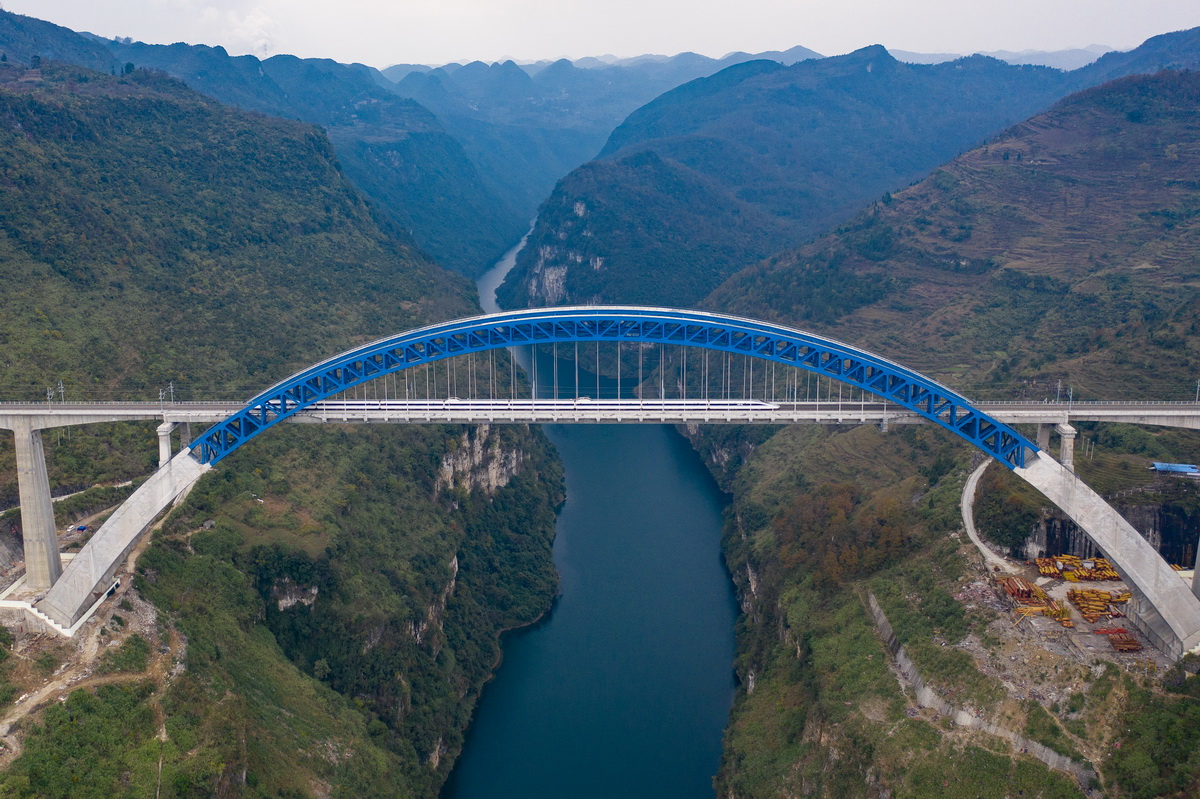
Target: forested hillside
x,y
414,172
142,221
334,596
394,150
1062,249
790,151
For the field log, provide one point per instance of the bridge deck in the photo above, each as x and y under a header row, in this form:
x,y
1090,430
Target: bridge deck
x,y
42,415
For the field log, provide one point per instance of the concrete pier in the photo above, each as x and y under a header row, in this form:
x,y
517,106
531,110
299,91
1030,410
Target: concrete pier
x,y
1066,451
164,443
1196,574
42,562
1043,435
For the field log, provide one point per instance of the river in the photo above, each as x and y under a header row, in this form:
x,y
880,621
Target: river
x,y
625,687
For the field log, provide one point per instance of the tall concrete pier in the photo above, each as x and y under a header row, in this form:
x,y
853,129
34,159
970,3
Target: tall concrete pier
x,y
42,562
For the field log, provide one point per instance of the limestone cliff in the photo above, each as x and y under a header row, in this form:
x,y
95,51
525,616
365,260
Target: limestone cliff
x,y
479,463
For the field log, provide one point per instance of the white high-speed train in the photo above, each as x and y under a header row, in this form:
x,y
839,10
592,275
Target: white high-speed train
x,y
581,403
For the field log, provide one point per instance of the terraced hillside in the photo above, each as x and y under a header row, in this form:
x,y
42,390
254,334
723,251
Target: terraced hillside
x,y
1061,249
1064,248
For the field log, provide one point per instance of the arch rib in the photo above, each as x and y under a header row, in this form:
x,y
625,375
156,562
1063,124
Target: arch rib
x,y
823,356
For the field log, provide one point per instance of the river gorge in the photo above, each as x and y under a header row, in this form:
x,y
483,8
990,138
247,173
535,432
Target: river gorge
x,y
624,688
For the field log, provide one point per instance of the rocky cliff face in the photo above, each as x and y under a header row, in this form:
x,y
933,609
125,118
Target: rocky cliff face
x,y
435,612
479,464
1166,525
547,279
725,448
287,593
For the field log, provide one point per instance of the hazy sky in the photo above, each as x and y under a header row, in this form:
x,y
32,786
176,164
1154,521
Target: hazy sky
x,y
384,32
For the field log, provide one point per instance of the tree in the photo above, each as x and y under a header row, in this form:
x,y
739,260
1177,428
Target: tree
x,y
1003,515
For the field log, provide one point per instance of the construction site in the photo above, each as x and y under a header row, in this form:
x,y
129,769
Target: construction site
x,y
1074,605
1083,598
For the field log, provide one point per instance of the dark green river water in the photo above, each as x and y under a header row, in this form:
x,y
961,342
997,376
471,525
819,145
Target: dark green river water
x,y
623,690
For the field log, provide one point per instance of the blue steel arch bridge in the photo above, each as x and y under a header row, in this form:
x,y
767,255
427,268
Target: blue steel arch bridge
x,y
767,342
345,387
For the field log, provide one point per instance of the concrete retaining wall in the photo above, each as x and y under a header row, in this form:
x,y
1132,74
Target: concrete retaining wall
x,y
927,697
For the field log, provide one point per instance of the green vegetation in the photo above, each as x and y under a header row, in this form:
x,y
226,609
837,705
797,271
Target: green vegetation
x,y
1013,304
1040,726
93,745
1004,512
978,287
129,267
132,656
338,599
928,622
7,690
973,772
1157,756
226,228
354,574
820,711
759,157
689,235
396,153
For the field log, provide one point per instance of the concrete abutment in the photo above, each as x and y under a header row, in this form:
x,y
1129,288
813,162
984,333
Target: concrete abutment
x,y
91,571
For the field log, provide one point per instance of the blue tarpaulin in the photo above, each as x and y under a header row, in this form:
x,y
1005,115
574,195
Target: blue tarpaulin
x,y
1178,468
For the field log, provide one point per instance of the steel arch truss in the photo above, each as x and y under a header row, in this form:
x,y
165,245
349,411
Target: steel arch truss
x,y
872,373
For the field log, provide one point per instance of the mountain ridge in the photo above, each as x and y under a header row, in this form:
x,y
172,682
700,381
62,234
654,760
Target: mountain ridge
x,y
432,192
809,144
1087,203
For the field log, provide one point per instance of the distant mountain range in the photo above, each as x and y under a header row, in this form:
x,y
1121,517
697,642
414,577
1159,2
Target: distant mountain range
x,y
772,155
1069,59
396,151
458,157
528,125
683,62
